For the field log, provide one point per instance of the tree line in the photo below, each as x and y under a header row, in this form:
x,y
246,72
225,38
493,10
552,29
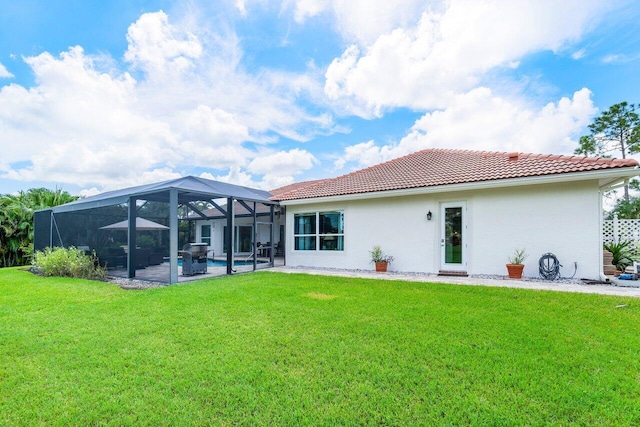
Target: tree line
x,y
616,131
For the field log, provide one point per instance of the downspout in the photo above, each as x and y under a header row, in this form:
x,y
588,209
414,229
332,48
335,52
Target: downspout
x,y
600,239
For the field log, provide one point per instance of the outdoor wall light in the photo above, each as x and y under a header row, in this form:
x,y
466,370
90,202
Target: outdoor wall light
x,y
429,216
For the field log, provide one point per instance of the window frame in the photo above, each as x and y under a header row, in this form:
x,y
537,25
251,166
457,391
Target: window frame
x,y
319,234
203,238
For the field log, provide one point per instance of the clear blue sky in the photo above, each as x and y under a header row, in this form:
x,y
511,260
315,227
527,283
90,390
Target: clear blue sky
x,y
102,95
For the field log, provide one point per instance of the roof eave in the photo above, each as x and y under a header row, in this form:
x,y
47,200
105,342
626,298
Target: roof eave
x,y
607,178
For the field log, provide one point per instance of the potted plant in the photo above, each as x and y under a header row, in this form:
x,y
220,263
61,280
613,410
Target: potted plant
x,y
620,253
515,265
379,258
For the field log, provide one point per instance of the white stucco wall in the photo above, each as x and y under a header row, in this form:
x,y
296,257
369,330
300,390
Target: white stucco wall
x,y
558,218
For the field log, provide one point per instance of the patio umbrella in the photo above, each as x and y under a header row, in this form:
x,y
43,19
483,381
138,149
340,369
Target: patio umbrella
x,y
141,224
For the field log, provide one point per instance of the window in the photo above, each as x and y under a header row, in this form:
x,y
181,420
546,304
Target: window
x,y
304,232
319,231
205,234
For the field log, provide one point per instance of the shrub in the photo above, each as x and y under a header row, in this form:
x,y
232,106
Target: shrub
x,y
68,262
146,242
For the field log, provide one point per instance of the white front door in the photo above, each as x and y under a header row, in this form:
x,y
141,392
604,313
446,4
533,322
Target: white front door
x,y
453,236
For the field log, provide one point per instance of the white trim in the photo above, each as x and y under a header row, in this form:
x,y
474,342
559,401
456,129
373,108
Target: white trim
x,y
611,177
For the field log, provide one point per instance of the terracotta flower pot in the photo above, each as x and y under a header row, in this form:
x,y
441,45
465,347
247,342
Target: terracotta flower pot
x,y
515,271
381,266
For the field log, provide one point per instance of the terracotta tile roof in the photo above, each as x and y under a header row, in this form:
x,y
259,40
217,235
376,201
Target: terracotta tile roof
x,y
435,167
281,191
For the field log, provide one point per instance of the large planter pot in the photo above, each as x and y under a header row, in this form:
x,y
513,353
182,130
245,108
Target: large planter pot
x,y
515,271
381,266
607,263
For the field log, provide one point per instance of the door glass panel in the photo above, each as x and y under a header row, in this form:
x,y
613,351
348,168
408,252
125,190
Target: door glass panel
x,y
453,235
243,242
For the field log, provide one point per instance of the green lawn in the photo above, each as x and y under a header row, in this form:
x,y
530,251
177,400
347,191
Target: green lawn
x,y
269,348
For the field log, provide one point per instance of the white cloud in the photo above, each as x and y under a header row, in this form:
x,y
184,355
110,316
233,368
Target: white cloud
x,y
449,51
215,127
235,176
182,96
185,101
619,58
479,120
242,7
214,139
78,125
159,48
90,192
277,169
362,21
4,73
364,154
579,54
290,162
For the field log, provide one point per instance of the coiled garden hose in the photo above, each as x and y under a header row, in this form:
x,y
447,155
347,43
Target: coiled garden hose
x,y
549,267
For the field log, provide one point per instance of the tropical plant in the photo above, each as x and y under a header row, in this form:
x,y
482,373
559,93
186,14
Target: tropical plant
x,y
16,222
518,257
622,253
377,255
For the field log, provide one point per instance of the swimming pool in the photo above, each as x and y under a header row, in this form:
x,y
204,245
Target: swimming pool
x,y
221,262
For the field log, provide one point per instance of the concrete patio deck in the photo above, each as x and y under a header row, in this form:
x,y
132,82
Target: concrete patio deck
x,y
160,272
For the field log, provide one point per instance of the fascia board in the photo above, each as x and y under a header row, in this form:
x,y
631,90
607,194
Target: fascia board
x,y
80,206
609,175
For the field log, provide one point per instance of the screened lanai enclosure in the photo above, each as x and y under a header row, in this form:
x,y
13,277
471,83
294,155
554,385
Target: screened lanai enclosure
x,y
149,232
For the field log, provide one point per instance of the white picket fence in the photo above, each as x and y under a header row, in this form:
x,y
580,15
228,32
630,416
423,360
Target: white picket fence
x,y
617,230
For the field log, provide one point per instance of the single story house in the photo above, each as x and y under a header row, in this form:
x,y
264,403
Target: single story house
x,y
455,212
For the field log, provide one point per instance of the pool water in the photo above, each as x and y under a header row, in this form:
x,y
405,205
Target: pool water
x,y
221,262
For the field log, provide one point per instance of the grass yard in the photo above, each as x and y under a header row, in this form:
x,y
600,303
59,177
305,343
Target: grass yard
x,y
270,348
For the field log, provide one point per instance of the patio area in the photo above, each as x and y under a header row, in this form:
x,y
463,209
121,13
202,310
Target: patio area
x,y
160,272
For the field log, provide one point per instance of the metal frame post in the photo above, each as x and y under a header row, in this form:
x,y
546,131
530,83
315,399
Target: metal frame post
x,y
173,236
230,236
131,239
